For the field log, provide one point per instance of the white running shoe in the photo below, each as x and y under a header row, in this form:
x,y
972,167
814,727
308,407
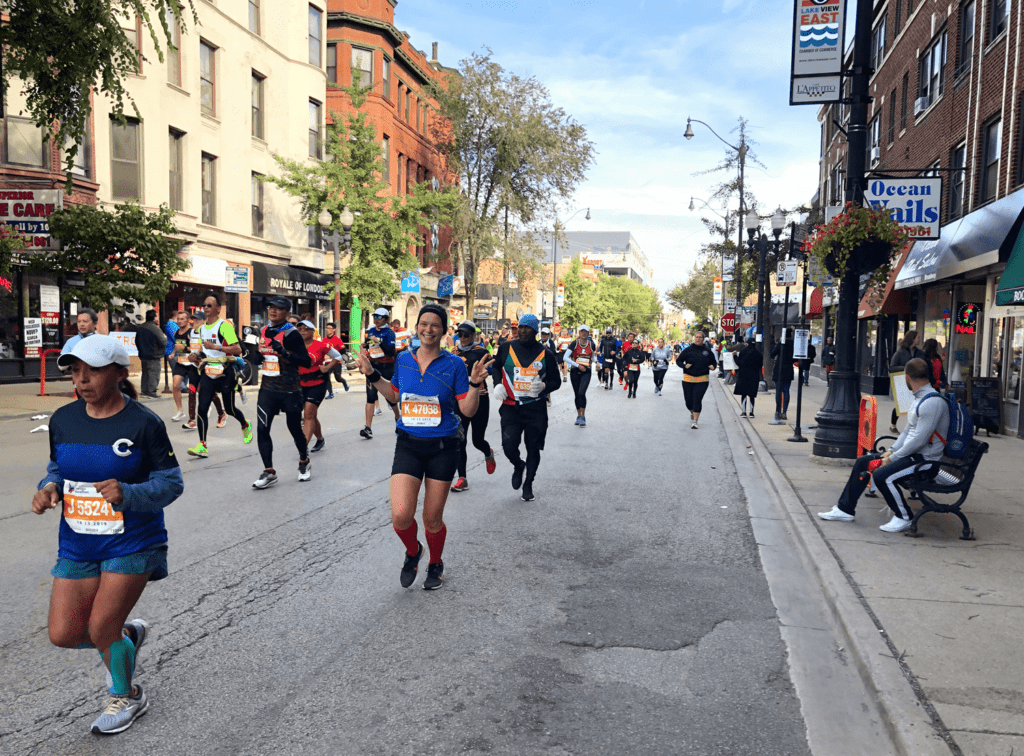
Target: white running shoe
x,y
836,514
378,411
266,480
305,470
179,415
895,525
693,427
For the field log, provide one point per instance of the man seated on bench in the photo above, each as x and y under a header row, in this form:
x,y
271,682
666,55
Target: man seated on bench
x,y
922,440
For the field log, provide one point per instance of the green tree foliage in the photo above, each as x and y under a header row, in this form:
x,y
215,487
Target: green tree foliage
x,y
580,298
673,333
614,301
61,50
697,292
511,147
385,225
123,253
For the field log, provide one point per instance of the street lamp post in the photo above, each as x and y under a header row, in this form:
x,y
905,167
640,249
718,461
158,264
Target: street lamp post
x,y
708,206
325,219
554,264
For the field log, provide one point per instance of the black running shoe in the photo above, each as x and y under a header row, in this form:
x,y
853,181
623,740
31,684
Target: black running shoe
x,y
366,432
412,564
318,445
435,574
517,476
528,491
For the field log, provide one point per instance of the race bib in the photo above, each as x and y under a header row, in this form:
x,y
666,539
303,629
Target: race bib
x,y
583,362
183,358
634,366
420,411
86,512
526,381
376,353
271,367
214,369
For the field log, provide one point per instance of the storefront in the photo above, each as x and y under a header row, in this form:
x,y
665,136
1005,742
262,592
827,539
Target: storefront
x,y
192,285
1005,314
307,291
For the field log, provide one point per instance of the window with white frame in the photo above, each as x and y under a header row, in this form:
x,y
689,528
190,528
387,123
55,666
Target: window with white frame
x,y
933,70
207,78
991,150
878,44
256,193
209,188
362,67
957,180
315,144
126,160
315,35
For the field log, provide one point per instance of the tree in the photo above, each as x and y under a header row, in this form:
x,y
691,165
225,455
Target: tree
x,y
673,333
625,303
123,253
580,297
61,50
386,225
697,292
511,148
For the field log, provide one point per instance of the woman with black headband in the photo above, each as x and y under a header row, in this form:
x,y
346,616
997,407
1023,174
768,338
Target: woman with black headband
x,y
428,384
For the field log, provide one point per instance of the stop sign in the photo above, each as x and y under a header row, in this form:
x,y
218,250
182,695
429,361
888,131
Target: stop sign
x,y
728,322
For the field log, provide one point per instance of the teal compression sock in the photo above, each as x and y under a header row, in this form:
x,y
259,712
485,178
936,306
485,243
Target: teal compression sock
x,y
122,666
84,645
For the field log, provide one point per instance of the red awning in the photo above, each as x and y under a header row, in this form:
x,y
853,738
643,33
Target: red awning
x,y
815,307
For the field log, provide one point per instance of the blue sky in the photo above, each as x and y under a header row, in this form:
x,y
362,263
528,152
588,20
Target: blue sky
x,y
632,72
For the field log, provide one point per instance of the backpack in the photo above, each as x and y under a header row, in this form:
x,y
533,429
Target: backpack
x,y
961,427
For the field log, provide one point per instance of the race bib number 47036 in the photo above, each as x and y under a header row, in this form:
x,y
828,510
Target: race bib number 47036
x,y
85,511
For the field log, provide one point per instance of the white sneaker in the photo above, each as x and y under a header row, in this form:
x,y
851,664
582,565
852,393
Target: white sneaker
x,y
377,411
836,514
693,427
895,525
179,415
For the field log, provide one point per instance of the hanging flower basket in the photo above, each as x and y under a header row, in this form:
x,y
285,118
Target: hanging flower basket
x,y
861,239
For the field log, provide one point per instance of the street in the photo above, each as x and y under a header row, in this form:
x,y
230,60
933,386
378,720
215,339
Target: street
x,y
625,611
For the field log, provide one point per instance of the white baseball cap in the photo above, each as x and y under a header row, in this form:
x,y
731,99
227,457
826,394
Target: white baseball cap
x,y
584,328
382,312
308,324
96,351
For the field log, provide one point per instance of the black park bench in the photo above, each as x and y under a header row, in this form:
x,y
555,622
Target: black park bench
x,y
954,479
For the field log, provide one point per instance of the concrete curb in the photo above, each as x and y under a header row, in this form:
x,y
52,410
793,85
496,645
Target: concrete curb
x,y
909,720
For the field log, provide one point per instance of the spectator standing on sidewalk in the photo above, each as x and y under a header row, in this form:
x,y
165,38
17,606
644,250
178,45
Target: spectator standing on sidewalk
x,y
782,374
748,376
85,321
150,341
805,365
828,357
933,357
909,350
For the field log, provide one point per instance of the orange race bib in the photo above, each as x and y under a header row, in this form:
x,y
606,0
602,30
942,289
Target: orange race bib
x,y
420,411
214,369
634,366
583,362
271,367
86,512
376,353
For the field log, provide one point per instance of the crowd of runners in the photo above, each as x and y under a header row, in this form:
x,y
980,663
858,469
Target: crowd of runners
x,y
112,468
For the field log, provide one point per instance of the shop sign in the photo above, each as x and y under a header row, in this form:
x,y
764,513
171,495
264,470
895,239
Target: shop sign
x,y
967,318
817,54
236,279
127,339
49,305
28,211
289,282
912,202
33,330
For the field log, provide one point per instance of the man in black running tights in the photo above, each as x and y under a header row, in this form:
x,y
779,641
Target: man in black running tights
x,y
607,349
282,352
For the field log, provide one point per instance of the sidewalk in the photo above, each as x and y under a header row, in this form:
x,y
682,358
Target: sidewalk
x,y
951,611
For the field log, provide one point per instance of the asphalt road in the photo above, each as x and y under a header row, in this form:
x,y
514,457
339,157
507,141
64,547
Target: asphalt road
x,y
625,611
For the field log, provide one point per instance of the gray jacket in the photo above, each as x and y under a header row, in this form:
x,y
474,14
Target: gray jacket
x,y
926,421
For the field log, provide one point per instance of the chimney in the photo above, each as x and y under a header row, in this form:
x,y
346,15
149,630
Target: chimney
x,y
434,58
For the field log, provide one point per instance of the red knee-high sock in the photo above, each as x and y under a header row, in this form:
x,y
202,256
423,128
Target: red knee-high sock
x,y
408,536
435,543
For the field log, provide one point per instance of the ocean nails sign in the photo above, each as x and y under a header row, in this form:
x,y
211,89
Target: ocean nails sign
x,y
818,32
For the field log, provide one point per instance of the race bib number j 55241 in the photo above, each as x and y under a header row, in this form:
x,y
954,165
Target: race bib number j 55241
x,y
85,511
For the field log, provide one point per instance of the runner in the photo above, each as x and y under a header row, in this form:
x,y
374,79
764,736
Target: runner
x,y
191,343
524,375
179,364
558,347
403,339
282,354
430,383
471,352
607,350
380,345
334,341
315,382
632,358
697,361
219,343
622,345
660,356
113,470
579,356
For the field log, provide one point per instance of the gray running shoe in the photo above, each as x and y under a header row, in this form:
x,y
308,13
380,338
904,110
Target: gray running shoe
x,y
318,445
305,470
266,479
120,712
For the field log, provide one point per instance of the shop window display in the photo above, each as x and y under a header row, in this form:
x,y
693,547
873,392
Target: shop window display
x,y
1013,359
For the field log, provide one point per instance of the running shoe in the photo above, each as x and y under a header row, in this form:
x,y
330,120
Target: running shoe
x,y
625,387
305,470
435,575
836,514
460,485
199,450
871,494
583,422
743,414
241,394
517,476
578,420
318,445
179,415
329,396
693,427
247,433
528,491
345,385
411,565
491,464
366,432
266,480
564,379
896,525
378,411
222,421
120,712
190,425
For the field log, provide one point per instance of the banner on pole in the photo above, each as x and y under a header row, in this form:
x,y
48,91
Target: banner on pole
x,y
817,56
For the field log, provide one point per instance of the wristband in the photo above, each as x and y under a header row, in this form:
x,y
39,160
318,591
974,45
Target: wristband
x,y
374,376
476,385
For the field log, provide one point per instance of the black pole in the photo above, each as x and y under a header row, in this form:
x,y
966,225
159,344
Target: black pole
x,y
761,245
798,436
785,327
837,420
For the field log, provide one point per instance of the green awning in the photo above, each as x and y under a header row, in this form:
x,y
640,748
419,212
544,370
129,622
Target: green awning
x,y
1010,290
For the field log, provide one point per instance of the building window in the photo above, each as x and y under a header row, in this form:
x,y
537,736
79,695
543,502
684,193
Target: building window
x,y
207,78
176,164
933,70
125,160
254,16
173,53
332,64
209,189
398,165
386,156
362,67
130,27
408,102
24,142
878,44
257,205
386,79
81,157
991,149
966,51
257,105
874,138
315,146
1020,143
419,110
899,15
315,236
892,117
957,178
837,185
998,19
315,17
903,104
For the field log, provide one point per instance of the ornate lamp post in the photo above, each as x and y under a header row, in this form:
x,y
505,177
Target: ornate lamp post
x,y
325,219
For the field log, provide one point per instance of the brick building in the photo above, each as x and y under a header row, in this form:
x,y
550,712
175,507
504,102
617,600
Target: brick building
x,y
947,92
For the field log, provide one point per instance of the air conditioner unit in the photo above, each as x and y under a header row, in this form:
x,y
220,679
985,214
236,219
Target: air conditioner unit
x,y
921,104
875,155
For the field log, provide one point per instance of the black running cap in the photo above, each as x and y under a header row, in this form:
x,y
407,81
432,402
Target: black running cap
x,y
281,303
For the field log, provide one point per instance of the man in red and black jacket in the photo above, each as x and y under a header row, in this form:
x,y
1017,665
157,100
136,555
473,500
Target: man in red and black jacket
x,y
334,340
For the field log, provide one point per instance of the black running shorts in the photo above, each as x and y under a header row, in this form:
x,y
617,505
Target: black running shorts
x,y
434,458
183,370
314,394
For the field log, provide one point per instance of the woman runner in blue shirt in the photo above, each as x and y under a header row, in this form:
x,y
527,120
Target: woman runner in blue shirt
x,y
112,470
427,384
